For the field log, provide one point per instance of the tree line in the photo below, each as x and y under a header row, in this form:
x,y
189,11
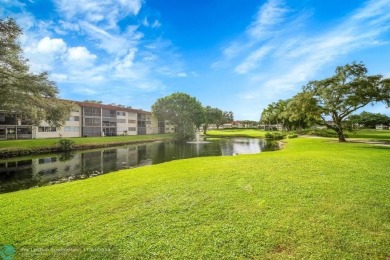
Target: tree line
x,y
332,101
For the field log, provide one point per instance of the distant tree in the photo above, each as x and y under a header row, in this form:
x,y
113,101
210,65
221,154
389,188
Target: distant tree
x,y
229,116
33,96
345,92
182,110
211,116
275,114
302,111
93,101
369,120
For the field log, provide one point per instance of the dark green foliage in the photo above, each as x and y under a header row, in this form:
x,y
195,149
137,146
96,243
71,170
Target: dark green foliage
x,y
66,144
369,120
18,83
182,110
275,135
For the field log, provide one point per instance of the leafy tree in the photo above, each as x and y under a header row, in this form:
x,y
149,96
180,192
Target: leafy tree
x,y
211,116
223,118
181,110
228,116
348,90
276,114
33,96
302,111
369,120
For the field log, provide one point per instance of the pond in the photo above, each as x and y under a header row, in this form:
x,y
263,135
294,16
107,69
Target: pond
x,y
28,172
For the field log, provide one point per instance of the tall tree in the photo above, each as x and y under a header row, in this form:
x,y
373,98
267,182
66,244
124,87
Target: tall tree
x,y
33,96
348,90
181,110
302,111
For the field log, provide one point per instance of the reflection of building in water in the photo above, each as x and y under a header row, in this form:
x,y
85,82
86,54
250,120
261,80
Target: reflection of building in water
x,y
23,174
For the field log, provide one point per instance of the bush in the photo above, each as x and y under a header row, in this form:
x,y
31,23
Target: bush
x,y
275,135
292,136
66,144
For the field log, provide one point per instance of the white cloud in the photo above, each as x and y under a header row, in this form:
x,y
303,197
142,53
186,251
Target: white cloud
x,y
270,17
124,68
253,59
51,46
270,14
108,12
113,43
80,56
43,54
181,75
58,77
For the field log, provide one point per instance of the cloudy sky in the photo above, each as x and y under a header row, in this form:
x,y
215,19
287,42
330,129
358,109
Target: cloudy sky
x,y
237,55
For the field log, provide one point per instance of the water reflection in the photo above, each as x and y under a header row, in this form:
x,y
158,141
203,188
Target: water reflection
x,y
24,173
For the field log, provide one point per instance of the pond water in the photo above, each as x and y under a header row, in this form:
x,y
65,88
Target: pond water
x,y
28,172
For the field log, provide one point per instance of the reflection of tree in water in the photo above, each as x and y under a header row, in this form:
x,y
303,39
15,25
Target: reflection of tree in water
x,y
79,165
66,156
269,145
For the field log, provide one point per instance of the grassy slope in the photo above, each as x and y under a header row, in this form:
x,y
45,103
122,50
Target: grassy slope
x,y
316,198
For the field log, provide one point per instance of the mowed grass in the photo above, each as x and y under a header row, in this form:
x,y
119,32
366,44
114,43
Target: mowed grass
x,y
371,134
237,133
316,198
51,142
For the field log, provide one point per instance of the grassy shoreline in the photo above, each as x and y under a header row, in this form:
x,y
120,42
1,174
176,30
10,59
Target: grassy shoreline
x,y
14,148
314,199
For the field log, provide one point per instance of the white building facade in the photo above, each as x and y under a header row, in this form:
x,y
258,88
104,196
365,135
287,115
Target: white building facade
x,y
89,119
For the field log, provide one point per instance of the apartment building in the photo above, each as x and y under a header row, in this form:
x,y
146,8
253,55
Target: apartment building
x,y
89,119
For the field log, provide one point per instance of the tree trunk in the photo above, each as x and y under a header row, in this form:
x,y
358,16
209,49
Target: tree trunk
x,y
341,137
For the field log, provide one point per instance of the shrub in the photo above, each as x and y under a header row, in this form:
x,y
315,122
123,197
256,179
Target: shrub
x,y
66,144
275,135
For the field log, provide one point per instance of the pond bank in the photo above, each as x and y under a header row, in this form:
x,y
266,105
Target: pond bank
x,y
15,148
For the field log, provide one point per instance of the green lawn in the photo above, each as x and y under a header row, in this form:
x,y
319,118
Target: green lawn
x,y
237,132
316,198
37,143
372,134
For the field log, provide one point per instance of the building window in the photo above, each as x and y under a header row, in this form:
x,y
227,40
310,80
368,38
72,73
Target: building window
x,y
132,121
92,122
91,111
47,129
109,113
72,129
74,118
132,129
141,117
120,113
122,121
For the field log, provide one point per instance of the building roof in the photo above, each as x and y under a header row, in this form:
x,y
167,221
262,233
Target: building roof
x,y
113,107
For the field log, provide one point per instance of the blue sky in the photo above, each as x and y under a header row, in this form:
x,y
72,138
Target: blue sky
x,y
237,55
